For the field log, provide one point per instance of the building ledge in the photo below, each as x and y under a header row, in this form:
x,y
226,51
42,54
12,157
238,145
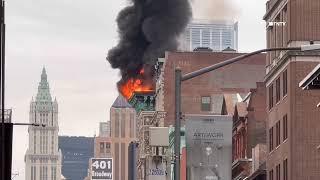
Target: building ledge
x,y
282,60
240,162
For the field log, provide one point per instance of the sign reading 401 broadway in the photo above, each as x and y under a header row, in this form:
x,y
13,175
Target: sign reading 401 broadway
x,y
101,168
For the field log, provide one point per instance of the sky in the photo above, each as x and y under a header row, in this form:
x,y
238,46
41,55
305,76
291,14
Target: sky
x,y
71,39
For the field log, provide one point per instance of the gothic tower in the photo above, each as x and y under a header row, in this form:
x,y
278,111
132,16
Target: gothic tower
x,y
43,158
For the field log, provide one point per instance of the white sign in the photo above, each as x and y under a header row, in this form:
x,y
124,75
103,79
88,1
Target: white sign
x,y
271,24
101,169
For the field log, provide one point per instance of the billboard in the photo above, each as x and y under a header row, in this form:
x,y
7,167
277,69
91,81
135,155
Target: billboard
x,y
209,147
101,168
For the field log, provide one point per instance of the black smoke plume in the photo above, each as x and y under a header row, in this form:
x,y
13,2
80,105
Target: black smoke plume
x,y
147,28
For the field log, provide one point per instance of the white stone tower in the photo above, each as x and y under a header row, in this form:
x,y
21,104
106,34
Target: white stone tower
x,y
43,158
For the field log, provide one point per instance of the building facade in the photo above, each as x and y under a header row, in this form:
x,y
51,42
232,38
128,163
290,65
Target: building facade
x,y
292,117
123,131
76,152
217,35
204,94
43,157
249,135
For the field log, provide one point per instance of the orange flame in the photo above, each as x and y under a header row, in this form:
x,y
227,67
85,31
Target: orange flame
x,y
135,85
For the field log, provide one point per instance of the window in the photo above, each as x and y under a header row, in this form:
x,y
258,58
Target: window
x,y
132,127
41,173
35,142
123,161
285,169
101,147
271,175
117,124
116,161
285,83
52,142
285,127
278,90
108,147
53,173
206,103
32,176
271,139
45,176
123,125
271,96
278,172
278,133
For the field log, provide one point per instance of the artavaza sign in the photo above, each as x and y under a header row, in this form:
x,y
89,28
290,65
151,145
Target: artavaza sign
x,y
209,147
101,169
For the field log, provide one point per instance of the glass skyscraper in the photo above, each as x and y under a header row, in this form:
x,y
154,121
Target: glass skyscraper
x,y
217,35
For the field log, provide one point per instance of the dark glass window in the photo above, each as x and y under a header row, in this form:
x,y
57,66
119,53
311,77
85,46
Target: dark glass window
x,y
285,169
271,139
285,127
278,133
206,103
101,147
278,96
285,83
271,96
271,175
278,172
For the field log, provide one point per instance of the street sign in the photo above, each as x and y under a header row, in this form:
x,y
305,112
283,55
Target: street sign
x,y
101,168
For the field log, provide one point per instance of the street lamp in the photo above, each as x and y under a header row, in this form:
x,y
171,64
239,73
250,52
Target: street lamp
x,y
179,78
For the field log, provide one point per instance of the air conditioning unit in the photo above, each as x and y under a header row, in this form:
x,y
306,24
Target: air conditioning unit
x,y
159,136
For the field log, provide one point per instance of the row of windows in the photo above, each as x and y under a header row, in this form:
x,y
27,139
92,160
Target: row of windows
x,y
277,174
278,89
44,142
278,133
44,119
277,35
105,147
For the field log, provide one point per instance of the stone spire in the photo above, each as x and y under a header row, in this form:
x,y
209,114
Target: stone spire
x,y
43,88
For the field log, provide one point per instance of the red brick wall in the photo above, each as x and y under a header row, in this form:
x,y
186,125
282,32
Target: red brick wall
x,y
303,126
236,78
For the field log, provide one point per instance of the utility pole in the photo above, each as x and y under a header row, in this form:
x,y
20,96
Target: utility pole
x,y
6,126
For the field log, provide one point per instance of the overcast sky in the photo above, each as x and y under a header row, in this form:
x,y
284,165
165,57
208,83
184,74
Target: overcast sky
x,y
71,39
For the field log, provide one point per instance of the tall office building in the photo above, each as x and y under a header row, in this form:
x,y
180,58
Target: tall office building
x,y
217,35
43,158
292,116
76,152
104,129
123,131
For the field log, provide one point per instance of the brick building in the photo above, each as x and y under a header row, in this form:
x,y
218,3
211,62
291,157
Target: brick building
x,y
199,94
292,117
249,131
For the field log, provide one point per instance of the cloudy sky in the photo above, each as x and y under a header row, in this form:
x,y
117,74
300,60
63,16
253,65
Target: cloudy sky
x,y
71,39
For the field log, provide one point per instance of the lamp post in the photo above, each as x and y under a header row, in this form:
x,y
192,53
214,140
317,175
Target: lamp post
x,y
179,78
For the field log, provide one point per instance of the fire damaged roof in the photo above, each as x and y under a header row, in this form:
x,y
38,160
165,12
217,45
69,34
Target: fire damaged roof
x,y
121,102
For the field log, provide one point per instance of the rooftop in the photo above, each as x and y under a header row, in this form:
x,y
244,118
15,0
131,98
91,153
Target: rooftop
x,y
121,102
